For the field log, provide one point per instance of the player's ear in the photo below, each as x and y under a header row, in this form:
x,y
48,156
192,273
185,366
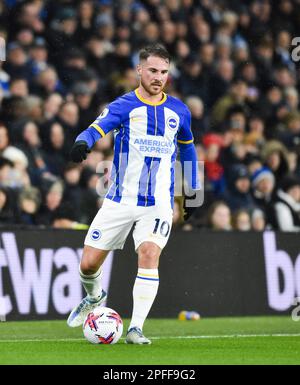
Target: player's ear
x,y
139,69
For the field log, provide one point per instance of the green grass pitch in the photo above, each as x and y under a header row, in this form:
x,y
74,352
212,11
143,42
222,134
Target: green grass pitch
x,y
247,340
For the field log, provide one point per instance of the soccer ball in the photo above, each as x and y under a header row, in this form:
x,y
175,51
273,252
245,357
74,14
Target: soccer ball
x,y
103,326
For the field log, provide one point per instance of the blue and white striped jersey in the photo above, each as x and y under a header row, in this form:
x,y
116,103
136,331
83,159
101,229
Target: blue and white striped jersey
x,y
146,136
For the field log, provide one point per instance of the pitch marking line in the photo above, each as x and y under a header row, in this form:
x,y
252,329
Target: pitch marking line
x,y
165,338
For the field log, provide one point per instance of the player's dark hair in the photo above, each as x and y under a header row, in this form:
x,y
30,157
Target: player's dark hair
x,y
154,50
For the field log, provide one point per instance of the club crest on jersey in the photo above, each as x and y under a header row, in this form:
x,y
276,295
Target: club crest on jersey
x,y
96,234
104,113
172,123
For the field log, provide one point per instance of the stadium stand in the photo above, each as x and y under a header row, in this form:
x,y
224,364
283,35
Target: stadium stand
x,y
232,65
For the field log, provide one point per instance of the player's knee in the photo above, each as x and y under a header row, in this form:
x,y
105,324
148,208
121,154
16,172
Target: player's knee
x,y
149,255
89,265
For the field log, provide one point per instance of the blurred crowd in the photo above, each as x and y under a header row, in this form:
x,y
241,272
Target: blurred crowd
x,y
232,65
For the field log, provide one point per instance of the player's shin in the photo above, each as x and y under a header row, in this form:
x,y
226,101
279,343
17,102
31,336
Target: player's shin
x,y
92,284
144,293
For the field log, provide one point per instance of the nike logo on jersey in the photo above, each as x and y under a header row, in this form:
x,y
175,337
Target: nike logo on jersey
x,y
136,119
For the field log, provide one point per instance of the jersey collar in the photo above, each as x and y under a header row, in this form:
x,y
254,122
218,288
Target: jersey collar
x,y
147,101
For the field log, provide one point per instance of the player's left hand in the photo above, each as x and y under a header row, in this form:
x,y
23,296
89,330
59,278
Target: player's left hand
x,y
187,210
79,151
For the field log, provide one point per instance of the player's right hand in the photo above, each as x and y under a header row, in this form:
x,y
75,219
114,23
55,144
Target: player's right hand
x,y
79,151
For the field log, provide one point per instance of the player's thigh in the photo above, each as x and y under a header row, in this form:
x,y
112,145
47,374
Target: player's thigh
x,y
153,225
110,227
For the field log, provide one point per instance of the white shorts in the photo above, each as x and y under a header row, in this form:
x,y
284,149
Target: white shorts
x,y
114,220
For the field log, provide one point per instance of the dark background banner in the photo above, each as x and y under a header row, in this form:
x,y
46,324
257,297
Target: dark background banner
x,y
216,274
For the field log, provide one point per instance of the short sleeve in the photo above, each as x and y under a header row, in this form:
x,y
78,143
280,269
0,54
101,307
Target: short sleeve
x,y
185,135
109,119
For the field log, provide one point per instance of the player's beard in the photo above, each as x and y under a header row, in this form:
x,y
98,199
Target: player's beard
x,y
151,91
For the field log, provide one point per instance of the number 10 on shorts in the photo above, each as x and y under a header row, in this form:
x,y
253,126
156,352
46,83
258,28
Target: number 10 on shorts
x,y
162,226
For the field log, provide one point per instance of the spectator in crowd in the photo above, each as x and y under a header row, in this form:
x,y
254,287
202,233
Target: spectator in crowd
x,y
39,56
231,63
235,149
30,144
199,122
68,117
56,151
17,176
92,201
64,218
61,35
286,205
238,195
182,52
73,67
51,201
263,184
29,204
291,134
83,97
236,95
214,171
52,105
207,57
125,82
293,160
191,81
241,220
219,217
8,208
275,157
271,108
86,19
6,167
46,82
19,87
253,163
291,98
258,220
72,190
17,63
4,137
33,105
255,137
25,37
220,80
